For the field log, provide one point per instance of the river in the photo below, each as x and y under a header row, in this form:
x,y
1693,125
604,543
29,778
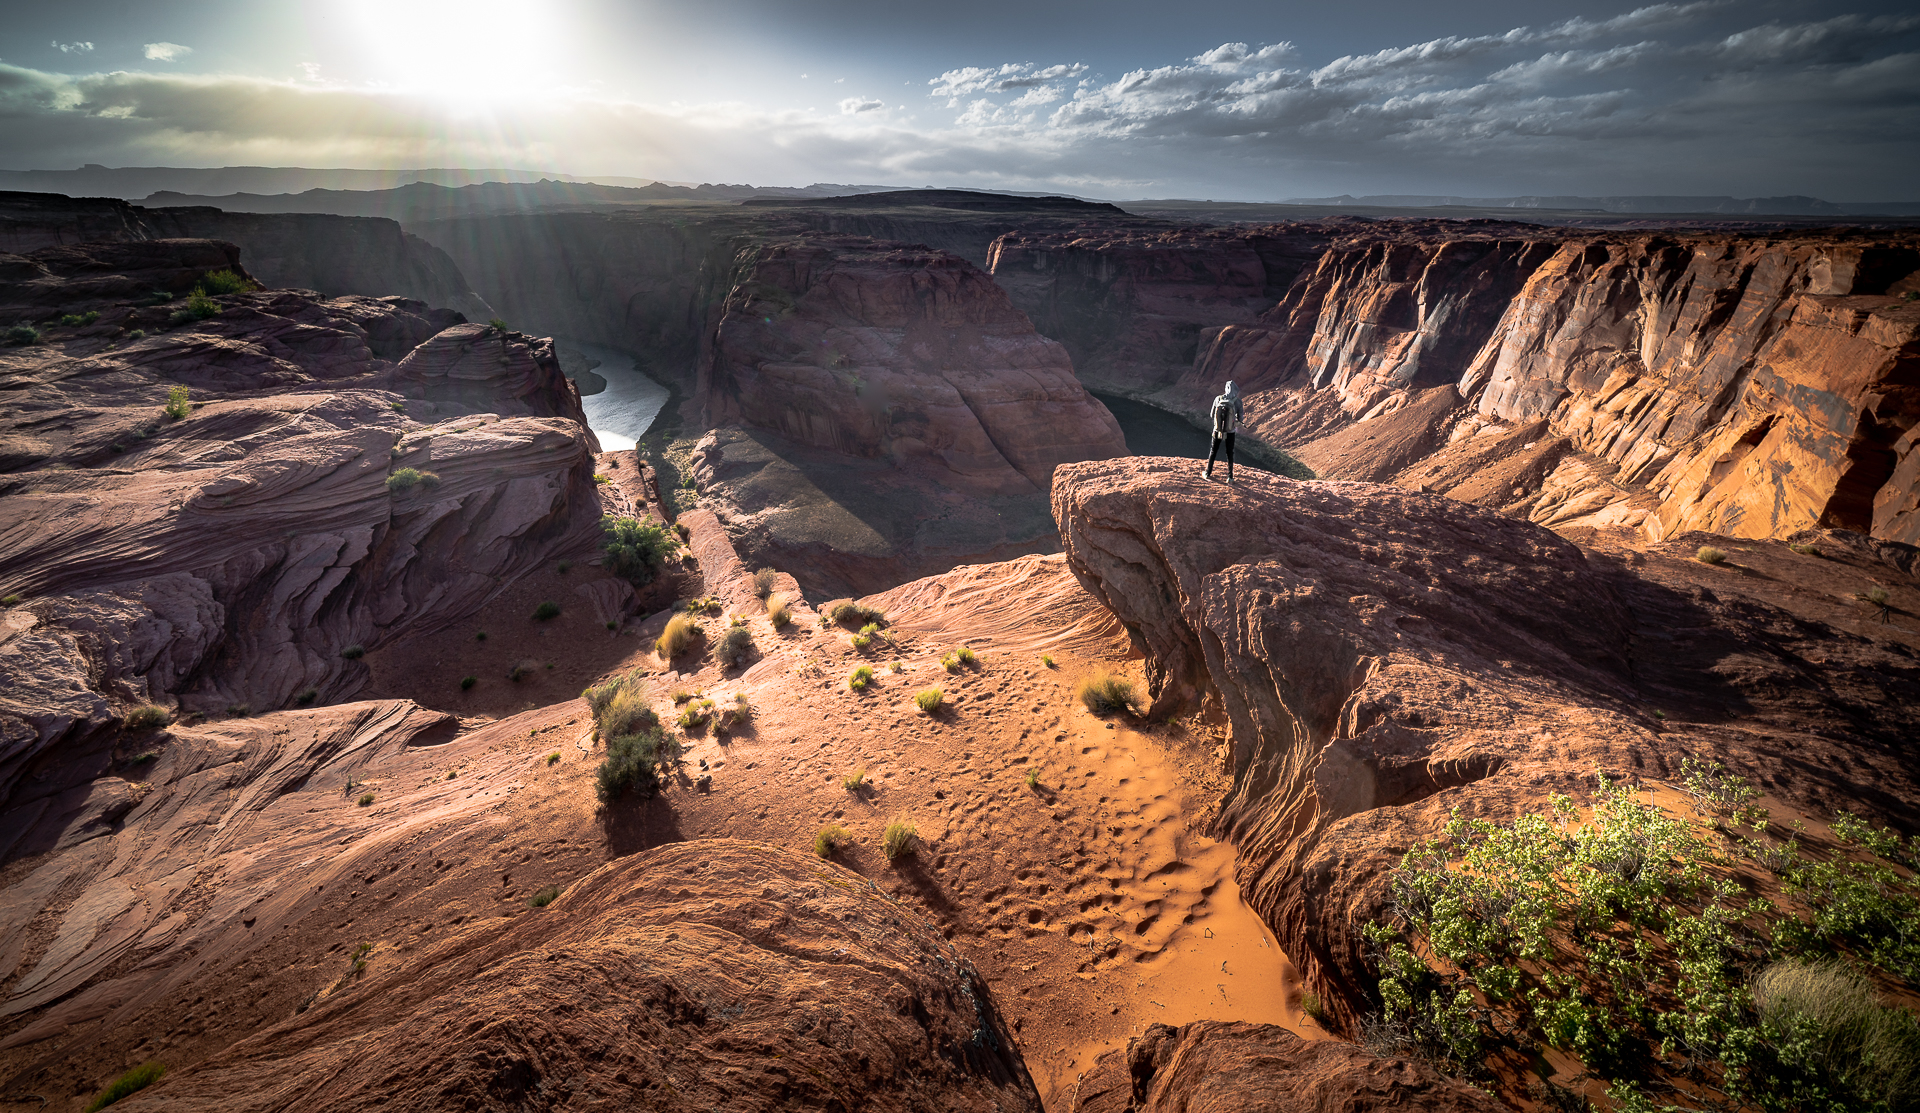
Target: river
x,y
622,413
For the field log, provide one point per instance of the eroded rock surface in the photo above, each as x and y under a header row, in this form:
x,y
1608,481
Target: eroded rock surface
x,y
1215,1067
229,557
1383,656
718,974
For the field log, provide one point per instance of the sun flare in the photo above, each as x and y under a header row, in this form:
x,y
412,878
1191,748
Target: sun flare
x,y
465,53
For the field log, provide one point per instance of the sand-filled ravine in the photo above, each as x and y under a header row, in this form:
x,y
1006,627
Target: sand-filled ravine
x,y
1090,903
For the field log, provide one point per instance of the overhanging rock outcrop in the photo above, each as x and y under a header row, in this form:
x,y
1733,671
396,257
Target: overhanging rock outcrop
x,y
1383,656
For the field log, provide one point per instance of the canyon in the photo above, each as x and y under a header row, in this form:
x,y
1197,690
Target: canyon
x,y
297,798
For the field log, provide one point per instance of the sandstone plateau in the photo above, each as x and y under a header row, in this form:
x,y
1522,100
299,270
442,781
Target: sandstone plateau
x,y
356,858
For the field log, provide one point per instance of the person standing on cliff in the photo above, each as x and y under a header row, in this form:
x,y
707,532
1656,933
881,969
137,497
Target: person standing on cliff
x,y
1228,413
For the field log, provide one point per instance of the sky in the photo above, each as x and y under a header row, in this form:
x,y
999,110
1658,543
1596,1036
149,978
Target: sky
x,y
1250,100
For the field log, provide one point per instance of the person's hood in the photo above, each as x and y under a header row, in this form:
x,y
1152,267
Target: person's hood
x,y
1231,392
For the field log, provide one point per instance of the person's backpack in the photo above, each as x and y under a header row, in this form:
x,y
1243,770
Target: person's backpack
x,y
1222,414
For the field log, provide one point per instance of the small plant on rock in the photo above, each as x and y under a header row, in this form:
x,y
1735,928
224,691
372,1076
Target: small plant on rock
x,y
546,610
929,700
779,610
854,781
553,758
679,634
898,839
132,1082
1707,554
544,897
10,600
735,645
23,335
1103,693
467,682
1033,778
861,677
631,767
307,696
636,551
178,404
406,479
366,801
763,581
148,717
498,325
354,652
830,839
225,281
1046,661
852,614
1804,550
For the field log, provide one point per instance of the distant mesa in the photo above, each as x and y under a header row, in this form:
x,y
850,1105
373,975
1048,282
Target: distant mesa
x,y
965,199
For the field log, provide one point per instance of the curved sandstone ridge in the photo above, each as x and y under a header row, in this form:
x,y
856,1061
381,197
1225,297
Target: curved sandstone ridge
x,y
227,558
718,974
1382,656
1743,384
1215,1067
874,349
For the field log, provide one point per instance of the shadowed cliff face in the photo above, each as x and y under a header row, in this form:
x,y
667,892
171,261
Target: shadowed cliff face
x,y
1383,656
228,555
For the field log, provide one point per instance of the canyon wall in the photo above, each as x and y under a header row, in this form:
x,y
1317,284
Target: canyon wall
x,y
332,254
1750,385
226,556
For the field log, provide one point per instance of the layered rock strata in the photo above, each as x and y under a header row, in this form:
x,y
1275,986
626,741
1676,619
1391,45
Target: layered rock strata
x,y
1385,656
227,557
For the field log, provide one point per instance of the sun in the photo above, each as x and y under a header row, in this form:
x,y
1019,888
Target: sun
x,y
469,52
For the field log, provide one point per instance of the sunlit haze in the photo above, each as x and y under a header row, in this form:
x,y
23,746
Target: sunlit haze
x,y
1223,99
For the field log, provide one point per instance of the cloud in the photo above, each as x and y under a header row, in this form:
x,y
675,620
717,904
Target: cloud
x,y
1666,98
73,48
167,52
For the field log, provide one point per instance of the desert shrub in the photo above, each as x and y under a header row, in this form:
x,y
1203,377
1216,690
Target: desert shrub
x,y
1104,693
1046,661
860,678
705,604
1876,595
950,662
10,600
1707,554
240,710
365,801
546,610
544,897
520,670
406,479
467,682
763,581
1804,550
673,641
498,325
1033,777
178,405
636,550
602,477
854,781
681,695
829,839
135,1080
696,714
898,839
851,614
306,696
735,645
553,758
861,641
966,656
1623,942
631,766
354,652
1719,794
148,717
480,635
80,320
1825,1023
22,335
224,281
624,712
563,567
137,334
929,700
200,307
737,715
681,529
779,610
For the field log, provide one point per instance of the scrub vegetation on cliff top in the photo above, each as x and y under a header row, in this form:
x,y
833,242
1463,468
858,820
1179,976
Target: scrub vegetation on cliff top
x,y
636,746
1645,945
636,550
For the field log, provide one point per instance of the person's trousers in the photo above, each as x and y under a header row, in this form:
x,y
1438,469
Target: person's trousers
x,y
1215,451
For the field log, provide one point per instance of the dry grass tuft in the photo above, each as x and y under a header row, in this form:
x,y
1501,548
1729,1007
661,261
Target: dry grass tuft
x,y
829,839
898,840
1104,693
679,634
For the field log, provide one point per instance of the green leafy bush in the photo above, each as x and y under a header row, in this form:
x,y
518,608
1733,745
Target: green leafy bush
x,y
354,652
636,550
366,801
224,281
735,645
544,897
498,325
854,781
80,320
861,677
135,1080
1626,942
11,600
306,696
854,615
546,610
631,767
406,479
200,306
467,682
178,404
929,700
22,335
